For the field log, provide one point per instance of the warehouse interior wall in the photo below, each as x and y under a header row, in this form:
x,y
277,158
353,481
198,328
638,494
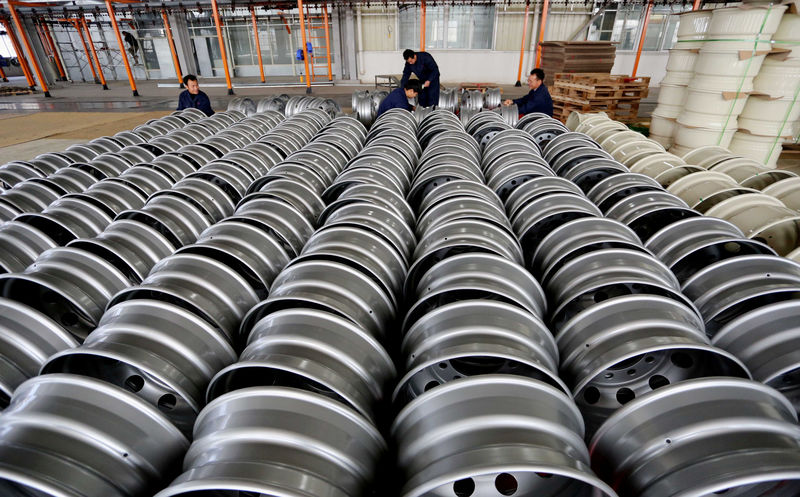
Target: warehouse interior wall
x,y
471,43
387,31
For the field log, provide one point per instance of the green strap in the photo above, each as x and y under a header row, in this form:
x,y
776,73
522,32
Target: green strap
x,y
744,76
783,124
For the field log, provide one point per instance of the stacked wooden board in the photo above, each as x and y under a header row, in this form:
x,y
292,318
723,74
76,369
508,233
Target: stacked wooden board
x,y
618,96
576,57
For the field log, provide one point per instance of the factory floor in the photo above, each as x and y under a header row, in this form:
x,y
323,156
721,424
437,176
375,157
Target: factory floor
x,y
85,111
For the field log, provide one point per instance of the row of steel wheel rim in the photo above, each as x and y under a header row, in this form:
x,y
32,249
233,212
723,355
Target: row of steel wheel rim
x,y
165,335
531,291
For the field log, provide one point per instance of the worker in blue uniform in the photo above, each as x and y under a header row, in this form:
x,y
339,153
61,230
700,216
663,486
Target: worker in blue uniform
x,y
423,65
398,98
192,97
538,99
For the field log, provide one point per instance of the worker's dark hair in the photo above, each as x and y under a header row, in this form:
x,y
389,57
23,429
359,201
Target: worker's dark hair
x,y
408,53
538,73
189,77
413,84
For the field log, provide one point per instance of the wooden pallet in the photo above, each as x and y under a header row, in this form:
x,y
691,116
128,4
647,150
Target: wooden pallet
x,y
626,112
8,91
595,79
587,92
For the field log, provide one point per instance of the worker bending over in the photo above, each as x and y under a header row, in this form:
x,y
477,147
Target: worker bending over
x,y
192,97
423,65
398,98
538,99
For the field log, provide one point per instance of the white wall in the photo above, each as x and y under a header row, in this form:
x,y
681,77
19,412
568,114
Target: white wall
x,y
455,66
653,64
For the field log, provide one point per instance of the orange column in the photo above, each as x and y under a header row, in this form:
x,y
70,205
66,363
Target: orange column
x,y
641,38
123,53
23,64
28,47
305,47
696,5
222,46
175,61
258,43
522,48
422,28
542,27
78,26
327,39
56,56
3,75
94,53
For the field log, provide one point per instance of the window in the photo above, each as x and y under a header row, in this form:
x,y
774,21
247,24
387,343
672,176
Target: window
x,y
622,23
510,21
458,27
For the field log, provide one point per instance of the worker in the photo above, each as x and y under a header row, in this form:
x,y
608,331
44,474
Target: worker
x,y
538,99
192,97
398,98
426,70
133,46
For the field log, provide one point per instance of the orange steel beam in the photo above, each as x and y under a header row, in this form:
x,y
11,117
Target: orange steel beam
x,y
54,49
3,75
77,24
258,43
522,47
94,53
327,39
641,38
222,46
285,22
28,47
422,28
305,47
696,5
23,64
542,27
113,17
175,60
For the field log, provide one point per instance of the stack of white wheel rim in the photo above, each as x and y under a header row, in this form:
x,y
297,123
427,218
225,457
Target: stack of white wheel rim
x,y
737,42
680,70
770,115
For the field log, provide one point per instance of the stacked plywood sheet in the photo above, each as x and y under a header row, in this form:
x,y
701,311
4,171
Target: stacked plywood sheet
x,y
617,96
576,57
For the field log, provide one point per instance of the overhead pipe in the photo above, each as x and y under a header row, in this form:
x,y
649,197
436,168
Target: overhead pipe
x,y
641,38
94,53
27,43
258,43
176,62
218,24
305,47
122,52
522,47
